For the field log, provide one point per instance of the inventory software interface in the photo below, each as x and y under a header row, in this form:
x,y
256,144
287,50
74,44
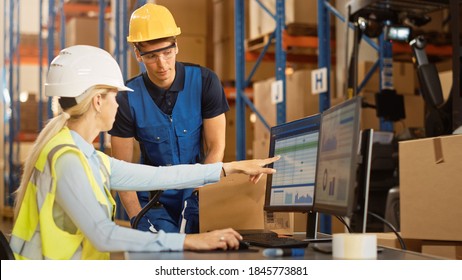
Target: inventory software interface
x,y
293,183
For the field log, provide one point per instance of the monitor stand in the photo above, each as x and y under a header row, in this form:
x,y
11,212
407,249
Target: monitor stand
x,y
317,240
312,234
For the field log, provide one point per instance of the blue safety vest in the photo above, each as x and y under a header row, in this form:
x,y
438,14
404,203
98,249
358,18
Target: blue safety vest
x,y
169,140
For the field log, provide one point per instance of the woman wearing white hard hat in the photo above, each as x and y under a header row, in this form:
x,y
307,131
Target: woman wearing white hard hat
x,y
64,208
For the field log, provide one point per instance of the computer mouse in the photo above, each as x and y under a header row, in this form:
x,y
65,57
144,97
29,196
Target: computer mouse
x,y
243,245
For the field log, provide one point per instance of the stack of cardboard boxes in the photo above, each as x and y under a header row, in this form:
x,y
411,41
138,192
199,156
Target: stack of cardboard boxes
x,y
431,194
300,102
404,81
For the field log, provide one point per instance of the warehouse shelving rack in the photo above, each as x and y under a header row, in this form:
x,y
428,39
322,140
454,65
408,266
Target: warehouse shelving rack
x,y
15,53
384,48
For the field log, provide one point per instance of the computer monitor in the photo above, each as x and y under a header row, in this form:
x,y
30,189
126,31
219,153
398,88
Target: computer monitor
x,y
291,188
337,164
360,203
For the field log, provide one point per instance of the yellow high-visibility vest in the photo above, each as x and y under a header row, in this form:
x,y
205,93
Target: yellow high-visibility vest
x,y
35,234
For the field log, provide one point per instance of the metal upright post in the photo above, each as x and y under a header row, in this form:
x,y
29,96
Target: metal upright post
x,y
324,60
12,166
10,89
101,25
62,25
17,107
101,32
121,53
324,56
40,65
117,23
51,42
5,103
280,60
240,78
386,74
454,8
125,43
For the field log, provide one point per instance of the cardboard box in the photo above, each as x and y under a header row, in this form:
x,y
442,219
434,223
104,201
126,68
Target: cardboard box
x,y
296,11
192,49
260,148
403,77
233,202
262,102
230,149
190,16
430,189
280,222
29,117
223,46
84,31
414,108
389,239
290,223
300,102
445,249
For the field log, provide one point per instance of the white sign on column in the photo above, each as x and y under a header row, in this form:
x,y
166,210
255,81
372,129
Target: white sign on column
x,y
276,92
319,80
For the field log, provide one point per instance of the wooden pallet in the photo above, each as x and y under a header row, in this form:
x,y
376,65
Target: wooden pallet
x,y
305,29
301,29
257,43
292,29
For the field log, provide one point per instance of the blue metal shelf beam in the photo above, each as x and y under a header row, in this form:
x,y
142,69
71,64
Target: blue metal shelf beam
x,y
324,60
242,83
386,77
101,32
51,42
239,25
11,80
40,65
11,70
281,59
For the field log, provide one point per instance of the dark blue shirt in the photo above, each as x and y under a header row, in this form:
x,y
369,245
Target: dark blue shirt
x,y
214,101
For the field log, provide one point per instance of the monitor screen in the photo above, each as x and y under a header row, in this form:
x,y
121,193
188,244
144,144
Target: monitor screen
x,y
291,188
338,159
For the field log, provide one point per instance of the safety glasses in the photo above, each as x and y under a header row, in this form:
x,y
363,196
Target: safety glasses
x,y
165,53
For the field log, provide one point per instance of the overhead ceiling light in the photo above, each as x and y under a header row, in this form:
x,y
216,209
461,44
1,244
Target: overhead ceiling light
x,y
23,96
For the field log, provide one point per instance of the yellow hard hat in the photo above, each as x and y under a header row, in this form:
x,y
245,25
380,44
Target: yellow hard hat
x,y
150,22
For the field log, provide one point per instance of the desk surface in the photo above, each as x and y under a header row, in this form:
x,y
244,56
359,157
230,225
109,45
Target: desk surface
x,y
310,254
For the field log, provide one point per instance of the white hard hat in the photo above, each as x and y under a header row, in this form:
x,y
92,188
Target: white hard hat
x,y
80,67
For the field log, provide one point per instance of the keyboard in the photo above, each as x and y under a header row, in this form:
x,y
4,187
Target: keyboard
x,y
271,240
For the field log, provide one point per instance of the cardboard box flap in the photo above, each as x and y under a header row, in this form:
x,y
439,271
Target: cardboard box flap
x,y
233,202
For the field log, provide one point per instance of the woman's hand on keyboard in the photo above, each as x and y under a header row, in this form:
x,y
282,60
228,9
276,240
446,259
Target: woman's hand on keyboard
x,y
225,239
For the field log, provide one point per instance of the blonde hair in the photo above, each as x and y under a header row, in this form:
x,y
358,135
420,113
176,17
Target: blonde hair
x,y
52,128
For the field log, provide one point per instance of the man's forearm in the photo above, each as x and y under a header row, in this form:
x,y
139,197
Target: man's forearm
x,y
214,155
131,203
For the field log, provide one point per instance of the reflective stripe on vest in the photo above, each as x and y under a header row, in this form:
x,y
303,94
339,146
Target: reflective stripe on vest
x,y
35,234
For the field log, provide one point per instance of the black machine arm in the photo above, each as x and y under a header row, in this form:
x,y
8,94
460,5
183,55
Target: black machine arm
x,y
427,74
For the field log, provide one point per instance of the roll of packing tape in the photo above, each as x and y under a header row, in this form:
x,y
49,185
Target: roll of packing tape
x,y
354,246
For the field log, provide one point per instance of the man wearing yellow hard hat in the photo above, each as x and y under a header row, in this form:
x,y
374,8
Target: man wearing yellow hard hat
x,y
176,113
